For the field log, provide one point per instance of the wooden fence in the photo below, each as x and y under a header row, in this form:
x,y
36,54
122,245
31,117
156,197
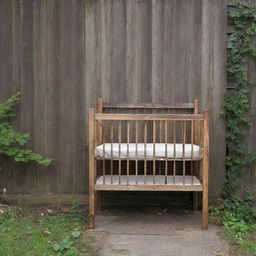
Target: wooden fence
x,y
63,54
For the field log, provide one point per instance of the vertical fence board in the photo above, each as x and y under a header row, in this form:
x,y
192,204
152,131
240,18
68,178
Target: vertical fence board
x,y
27,177
8,73
213,86
52,94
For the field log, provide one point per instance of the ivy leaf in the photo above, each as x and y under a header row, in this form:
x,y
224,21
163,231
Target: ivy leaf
x,y
237,103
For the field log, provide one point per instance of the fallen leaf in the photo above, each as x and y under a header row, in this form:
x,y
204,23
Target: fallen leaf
x,y
47,232
65,209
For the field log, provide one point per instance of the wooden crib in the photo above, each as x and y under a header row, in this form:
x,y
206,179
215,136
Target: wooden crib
x,y
148,147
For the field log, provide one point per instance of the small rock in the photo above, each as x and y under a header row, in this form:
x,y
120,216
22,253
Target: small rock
x,y
49,211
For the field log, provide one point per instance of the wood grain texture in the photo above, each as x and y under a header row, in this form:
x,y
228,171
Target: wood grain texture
x,y
63,55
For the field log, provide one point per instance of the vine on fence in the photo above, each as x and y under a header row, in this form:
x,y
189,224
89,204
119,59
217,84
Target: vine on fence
x,y
237,108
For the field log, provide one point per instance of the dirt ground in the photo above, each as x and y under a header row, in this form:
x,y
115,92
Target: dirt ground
x,y
161,232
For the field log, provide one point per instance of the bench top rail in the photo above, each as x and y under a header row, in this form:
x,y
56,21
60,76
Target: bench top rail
x,y
107,105
142,117
149,105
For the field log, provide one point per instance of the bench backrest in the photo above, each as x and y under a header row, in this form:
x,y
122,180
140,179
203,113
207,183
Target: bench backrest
x,y
150,108
103,107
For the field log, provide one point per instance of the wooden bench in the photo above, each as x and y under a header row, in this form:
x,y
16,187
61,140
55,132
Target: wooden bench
x,y
148,147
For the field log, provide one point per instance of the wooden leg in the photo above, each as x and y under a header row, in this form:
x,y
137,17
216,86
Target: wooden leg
x,y
92,173
91,220
98,205
205,210
205,169
195,201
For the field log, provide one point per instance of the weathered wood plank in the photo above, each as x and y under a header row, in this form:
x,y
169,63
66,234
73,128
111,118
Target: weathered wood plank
x,y
212,89
148,116
146,187
52,92
8,77
27,177
149,105
157,50
39,87
139,51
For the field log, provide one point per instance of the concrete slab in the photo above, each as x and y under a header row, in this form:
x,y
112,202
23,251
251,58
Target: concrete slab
x,y
166,234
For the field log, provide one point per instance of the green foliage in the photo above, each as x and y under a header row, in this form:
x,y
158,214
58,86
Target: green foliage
x,y
239,216
239,223
67,246
12,142
236,107
234,226
243,209
38,233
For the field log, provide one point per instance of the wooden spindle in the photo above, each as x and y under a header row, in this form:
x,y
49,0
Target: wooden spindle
x,y
136,150
160,140
111,140
201,147
166,156
174,152
196,136
145,152
183,151
128,145
104,156
192,153
154,152
119,151
160,131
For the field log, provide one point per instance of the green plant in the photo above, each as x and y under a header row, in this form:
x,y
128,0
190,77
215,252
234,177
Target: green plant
x,y
236,107
239,222
12,142
234,226
239,216
67,247
36,232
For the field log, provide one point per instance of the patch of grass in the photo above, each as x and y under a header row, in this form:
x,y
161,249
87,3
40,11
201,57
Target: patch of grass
x,y
249,243
38,234
239,226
